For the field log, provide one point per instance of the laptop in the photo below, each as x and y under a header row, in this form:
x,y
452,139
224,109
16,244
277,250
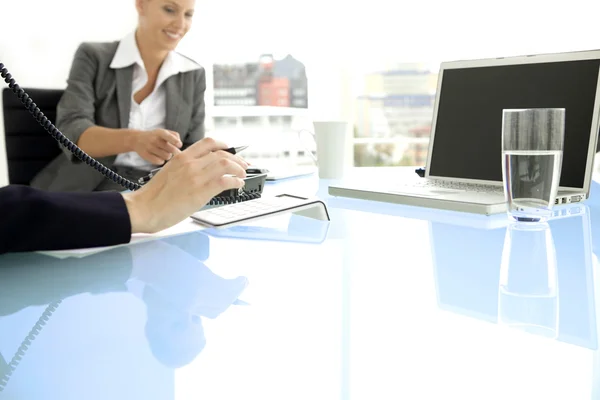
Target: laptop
x,y
464,164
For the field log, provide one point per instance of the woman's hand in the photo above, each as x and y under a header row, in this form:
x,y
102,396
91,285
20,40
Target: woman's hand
x,y
157,146
184,185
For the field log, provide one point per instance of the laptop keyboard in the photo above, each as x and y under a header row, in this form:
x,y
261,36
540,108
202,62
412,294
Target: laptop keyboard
x,y
469,187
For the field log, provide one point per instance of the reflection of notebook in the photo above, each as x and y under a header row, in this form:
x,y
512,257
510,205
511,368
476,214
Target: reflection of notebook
x,y
281,171
469,285
465,144
284,228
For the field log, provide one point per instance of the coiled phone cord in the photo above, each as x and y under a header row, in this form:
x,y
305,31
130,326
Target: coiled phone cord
x,y
60,138
83,156
20,353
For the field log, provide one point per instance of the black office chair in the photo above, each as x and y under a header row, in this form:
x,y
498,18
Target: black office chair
x,y
29,147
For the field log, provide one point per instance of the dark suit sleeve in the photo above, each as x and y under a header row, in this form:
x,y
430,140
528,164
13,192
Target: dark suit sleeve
x,y
32,219
196,131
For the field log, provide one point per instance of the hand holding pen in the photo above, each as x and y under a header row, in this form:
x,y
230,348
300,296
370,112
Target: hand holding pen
x,y
184,185
145,179
156,146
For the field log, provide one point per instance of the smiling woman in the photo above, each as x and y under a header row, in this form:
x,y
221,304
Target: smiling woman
x,y
162,24
132,104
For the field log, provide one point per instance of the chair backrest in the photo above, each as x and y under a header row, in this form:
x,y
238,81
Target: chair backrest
x,y
29,148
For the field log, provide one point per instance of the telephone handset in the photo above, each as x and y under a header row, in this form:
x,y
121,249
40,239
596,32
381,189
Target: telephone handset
x,y
12,365
252,188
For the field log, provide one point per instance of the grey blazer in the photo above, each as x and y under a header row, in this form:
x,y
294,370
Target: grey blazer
x,y
99,95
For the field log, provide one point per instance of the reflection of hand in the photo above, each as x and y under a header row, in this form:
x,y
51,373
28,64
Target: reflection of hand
x,y
175,337
178,296
188,285
157,146
184,186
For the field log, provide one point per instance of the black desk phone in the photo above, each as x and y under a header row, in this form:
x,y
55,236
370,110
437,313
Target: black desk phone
x,y
255,179
255,182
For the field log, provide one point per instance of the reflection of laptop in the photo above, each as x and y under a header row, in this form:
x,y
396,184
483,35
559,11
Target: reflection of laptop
x,y
447,217
464,164
469,285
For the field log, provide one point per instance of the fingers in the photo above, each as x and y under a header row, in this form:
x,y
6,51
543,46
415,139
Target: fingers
x,y
237,159
152,158
215,156
170,137
168,147
226,182
212,167
160,154
222,166
203,147
163,146
176,134
223,174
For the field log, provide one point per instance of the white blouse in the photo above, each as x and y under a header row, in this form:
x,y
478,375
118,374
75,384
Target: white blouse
x,y
151,112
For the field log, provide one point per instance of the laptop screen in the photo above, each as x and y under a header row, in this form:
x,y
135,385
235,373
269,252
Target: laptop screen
x,y
468,126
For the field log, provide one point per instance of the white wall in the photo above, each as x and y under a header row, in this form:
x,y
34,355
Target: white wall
x,y
39,54
335,39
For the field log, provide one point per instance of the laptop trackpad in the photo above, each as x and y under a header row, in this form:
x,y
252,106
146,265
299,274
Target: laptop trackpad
x,y
427,192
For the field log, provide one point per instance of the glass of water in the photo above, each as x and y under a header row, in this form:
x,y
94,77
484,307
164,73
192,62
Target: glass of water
x,y
532,149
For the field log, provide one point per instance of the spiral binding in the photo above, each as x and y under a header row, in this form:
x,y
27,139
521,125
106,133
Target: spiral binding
x,y
20,353
60,138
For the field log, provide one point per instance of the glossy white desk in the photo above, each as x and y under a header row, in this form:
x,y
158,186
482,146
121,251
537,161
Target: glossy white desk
x,y
384,302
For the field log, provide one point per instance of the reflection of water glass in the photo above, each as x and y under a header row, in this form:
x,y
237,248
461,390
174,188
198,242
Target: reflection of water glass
x,y
528,293
532,148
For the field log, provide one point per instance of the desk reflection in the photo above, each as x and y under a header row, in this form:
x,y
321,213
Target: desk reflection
x,y
528,295
282,228
176,297
477,267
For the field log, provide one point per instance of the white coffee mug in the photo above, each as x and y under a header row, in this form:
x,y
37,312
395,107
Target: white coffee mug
x,y
331,138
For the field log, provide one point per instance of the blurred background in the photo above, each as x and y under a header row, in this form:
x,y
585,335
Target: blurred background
x,y
274,65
